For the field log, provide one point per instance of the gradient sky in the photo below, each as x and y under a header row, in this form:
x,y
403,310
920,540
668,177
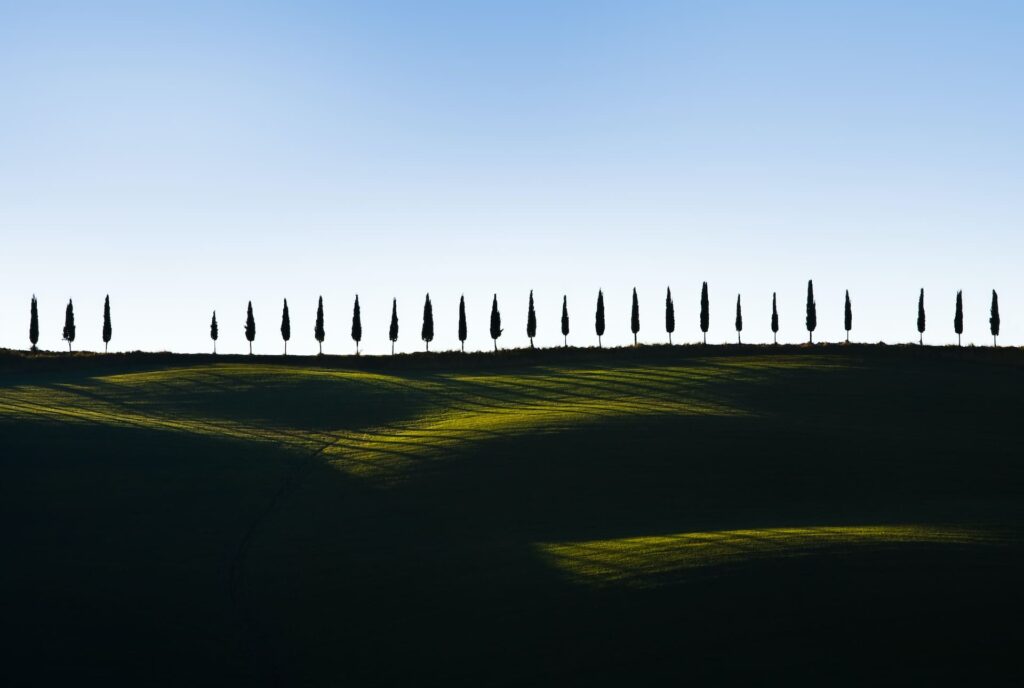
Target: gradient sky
x,y
185,157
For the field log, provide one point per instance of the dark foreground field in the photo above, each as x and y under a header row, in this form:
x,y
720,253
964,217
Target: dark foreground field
x,y
686,515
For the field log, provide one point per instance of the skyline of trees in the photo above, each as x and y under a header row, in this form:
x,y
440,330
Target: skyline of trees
x,y
69,331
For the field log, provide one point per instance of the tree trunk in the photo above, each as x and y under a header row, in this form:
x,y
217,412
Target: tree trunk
x,y
738,339
104,347
286,347
670,339
495,344
392,348
921,340
634,339
705,338
847,336
775,338
250,348
531,342
810,337
958,341
598,341
428,344
321,345
462,345
565,341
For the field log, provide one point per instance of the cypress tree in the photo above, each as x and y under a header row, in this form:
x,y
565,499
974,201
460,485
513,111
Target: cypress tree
x,y
107,330
920,317
848,316
775,321
634,317
463,330
993,320
214,332
958,317
286,326
250,327
495,322
599,317
739,320
69,324
565,321
318,328
812,311
427,333
393,330
670,314
357,325
531,321
705,311
33,323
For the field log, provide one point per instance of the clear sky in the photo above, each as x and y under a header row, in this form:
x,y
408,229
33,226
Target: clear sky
x,y
190,156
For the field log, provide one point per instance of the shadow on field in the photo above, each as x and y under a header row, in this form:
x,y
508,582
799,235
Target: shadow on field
x,y
240,542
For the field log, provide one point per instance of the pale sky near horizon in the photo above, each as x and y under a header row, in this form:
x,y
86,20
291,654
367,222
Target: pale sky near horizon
x,y
190,156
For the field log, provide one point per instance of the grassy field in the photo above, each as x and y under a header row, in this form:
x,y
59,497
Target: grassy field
x,y
688,514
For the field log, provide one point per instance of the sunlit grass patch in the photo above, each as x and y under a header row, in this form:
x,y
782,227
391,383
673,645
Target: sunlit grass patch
x,y
379,424
648,561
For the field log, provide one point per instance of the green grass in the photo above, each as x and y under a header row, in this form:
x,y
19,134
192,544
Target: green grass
x,y
574,517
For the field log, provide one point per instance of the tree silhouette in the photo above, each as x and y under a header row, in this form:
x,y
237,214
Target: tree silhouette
x,y
33,323
214,332
427,333
107,329
920,317
848,316
393,330
739,321
69,324
286,326
250,327
775,321
599,317
670,314
958,317
705,311
565,321
812,311
531,321
463,330
495,322
357,325
993,320
318,328
634,317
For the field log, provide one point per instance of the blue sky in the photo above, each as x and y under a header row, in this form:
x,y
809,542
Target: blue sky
x,y
185,157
